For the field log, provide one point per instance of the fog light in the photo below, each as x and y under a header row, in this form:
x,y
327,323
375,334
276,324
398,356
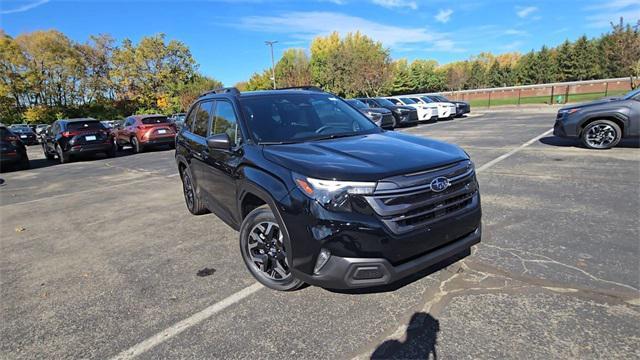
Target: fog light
x,y
323,257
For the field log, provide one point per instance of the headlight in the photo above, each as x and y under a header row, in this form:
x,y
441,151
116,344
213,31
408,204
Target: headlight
x,y
332,194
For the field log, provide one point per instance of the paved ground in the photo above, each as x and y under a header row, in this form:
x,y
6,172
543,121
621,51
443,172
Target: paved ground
x,y
98,257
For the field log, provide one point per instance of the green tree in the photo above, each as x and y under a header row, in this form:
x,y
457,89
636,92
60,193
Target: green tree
x,y
260,81
477,78
402,83
526,69
323,50
293,69
621,49
426,77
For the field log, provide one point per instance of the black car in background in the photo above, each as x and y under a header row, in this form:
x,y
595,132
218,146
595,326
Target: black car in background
x,y
404,115
601,124
24,132
381,116
462,107
178,119
71,137
12,150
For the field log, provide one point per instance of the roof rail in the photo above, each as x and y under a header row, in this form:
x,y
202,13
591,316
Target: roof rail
x,y
304,87
232,90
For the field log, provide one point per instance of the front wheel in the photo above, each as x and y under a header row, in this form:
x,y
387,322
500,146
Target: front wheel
x,y
601,134
262,244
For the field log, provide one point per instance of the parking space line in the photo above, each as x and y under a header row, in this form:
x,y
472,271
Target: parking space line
x,y
512,152
185,324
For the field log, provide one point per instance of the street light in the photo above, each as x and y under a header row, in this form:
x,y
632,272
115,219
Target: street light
x,y
273,66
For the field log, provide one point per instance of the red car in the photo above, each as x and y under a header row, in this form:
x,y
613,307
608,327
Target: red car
x,y
144,131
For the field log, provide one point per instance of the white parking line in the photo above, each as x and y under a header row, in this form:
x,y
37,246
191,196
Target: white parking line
x,y
198,317
514,151
183,325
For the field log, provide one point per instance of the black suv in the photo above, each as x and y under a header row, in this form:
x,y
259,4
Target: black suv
x,y
601,124
404,115
71,137
12,150
322,195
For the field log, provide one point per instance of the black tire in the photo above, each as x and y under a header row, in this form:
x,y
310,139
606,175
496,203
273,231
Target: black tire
x,y
47,154
62,156
601,135
118,146
112,151
135,144
191,198
266,273
24,163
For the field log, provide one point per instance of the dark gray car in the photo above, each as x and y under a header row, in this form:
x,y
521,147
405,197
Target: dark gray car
x,y
601,124
381,116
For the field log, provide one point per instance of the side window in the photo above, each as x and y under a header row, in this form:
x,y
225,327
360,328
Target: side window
x,y
225,120
395,101
202,116
188,122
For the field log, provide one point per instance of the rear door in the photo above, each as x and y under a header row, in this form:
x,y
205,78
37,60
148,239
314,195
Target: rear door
x,y
220,165
194,137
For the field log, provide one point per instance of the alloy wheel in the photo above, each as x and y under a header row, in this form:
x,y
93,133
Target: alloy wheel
x,y
600,136
265,247
187,188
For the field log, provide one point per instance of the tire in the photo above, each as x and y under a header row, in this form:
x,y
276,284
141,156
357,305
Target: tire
x,y
135,144
112,151
24,163
47,154
191,198
118,146
62,157
262,245
601,135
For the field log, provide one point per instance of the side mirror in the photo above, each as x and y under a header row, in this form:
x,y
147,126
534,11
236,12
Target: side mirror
x,y
219,141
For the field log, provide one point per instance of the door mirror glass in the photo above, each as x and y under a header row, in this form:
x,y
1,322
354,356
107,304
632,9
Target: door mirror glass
x,y
219,141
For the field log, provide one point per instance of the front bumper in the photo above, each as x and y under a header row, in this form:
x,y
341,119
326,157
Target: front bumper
x,y
564,127
349,273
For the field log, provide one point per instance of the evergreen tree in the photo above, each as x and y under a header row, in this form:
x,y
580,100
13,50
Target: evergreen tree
x,y
477,78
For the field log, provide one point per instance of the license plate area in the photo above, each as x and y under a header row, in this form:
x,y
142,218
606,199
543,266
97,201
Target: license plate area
x,y
162,131
90,138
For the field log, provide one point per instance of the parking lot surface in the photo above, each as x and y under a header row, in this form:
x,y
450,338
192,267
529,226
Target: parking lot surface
x,y
101,259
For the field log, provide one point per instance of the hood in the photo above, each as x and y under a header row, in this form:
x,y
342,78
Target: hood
x,y
458,102
369,157
591,103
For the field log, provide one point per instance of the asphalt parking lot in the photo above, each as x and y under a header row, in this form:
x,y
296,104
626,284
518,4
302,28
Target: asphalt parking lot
x,y
101,259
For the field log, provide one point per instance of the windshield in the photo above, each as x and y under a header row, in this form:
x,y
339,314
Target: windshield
x,y
385,102
427,99
21,129
407,101
155,120
85,125
441,98
299,117
357,103
633,94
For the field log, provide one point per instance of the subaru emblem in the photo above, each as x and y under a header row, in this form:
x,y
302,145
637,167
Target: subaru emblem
x,y
440,184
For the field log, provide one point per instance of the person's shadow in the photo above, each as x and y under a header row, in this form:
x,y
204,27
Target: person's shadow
x,y
420,343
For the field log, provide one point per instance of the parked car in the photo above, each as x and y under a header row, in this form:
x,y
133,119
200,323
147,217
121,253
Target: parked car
x,y
321,195
24,132
178,119
71,137
446,110
601,124
40,128
404,115
462,107
145,131
13,153
380,116
426,112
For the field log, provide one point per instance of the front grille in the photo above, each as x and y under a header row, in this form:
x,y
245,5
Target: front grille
x,y
387,119
413,115
407,202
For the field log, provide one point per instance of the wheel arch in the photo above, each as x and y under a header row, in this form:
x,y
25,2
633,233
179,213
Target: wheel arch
x,y
616,118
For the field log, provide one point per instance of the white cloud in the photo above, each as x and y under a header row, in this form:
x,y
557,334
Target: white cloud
x,y
443,16
523,12
514,45
397,4
307,25
612,11
24,7
515,32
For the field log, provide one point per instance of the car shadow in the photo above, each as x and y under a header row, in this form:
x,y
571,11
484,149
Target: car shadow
x,y
420,340
407,280
565,142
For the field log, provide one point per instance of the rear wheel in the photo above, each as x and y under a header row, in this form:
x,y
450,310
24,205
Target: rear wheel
x,y
24,162
48,155
262,244
112,150
62,156
601,134
137,147
191,198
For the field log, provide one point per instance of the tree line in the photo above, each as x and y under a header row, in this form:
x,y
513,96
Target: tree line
x,y
45,76
358,66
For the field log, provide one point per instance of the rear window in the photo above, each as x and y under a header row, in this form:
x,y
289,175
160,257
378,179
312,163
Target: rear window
x,y
85,125
155,120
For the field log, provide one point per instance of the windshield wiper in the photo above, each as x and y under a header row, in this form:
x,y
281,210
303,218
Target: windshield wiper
x,y
277,142
333,136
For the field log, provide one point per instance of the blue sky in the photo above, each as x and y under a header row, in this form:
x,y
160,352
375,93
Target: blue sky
x,y
227,37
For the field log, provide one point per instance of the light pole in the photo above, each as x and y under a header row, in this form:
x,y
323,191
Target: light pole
x,y
273,66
